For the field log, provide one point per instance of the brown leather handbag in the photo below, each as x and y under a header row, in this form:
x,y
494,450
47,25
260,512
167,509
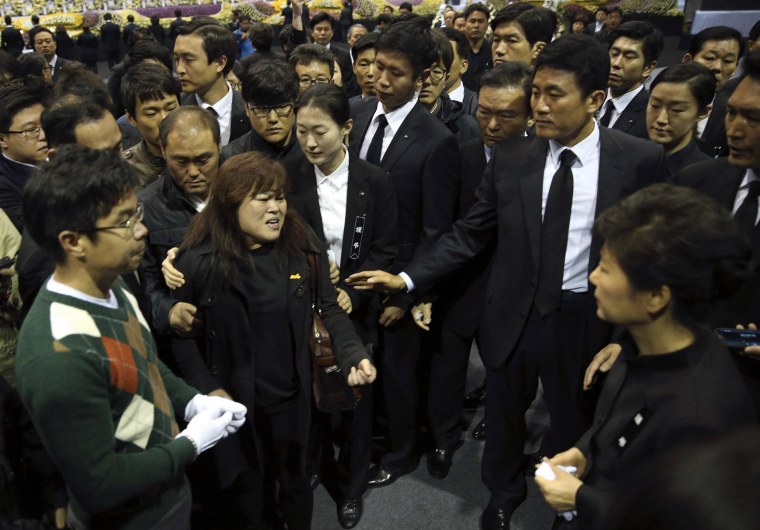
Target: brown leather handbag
x,y
329,383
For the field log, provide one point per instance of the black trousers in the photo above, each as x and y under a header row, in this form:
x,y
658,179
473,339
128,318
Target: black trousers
x,y
450,355
399,359
557,348
281,478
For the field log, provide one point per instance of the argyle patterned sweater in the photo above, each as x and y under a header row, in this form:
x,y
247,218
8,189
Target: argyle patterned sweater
x,y
104,406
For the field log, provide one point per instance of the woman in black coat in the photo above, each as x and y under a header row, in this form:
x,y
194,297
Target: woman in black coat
x,y
245,264
352,207
669,253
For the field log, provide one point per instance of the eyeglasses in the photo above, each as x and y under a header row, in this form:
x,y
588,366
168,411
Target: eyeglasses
x,y
32,133
130,224
12,82
437,75
283,111
308,81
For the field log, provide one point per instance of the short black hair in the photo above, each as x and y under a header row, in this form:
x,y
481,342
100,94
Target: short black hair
x,y
35,19
752,65
700,81
177,12
754,31
651,38
269,82
8,20
218,41
75,79
512,75
305,54
245,17
538,23
364,43
674,236
407,6
148,49
261,36
583,56
445,49
715,33
10,67
603,9
33,63
130,18
107,16
414,41
146,82
460,40
321,17
41,29
615,9
476,6
72,191
14,99
185,114
61,118
385,18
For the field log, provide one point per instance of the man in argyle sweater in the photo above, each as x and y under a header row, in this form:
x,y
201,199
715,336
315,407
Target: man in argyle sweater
x,y
87,368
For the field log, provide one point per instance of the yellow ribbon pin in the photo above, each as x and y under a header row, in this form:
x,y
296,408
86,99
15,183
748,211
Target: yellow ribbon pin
x,y
295,276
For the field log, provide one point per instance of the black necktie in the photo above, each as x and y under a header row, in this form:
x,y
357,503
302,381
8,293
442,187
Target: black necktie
x,y
376,145
607,116
746,215
554,235
213,112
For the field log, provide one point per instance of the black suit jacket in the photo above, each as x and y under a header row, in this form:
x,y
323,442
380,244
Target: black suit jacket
x,y
369,233
633,119
507,210
462,294
59,62
713,141
110,34
721,181
423,163
13,42
239,122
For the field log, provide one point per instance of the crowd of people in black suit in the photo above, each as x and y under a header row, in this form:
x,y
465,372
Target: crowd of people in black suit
x,y
581,214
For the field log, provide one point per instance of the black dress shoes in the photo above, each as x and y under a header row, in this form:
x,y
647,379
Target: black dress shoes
x,y
378,476
314,481
350,512
439,463
479,432
494,518
475,398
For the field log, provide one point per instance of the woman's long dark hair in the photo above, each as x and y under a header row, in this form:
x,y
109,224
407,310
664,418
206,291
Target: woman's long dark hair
x,y
239,178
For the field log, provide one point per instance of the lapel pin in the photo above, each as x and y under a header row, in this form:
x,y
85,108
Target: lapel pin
x,y
295,276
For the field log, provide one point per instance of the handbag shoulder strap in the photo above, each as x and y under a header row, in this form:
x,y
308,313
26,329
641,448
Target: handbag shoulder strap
x,y
314,279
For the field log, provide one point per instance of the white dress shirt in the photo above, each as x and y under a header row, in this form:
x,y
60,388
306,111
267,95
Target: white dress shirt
x,y
332,191
749,177
585,183
619,103
223,109
395,119
458,93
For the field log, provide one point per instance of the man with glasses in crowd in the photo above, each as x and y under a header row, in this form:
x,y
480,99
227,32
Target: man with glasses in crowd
x,y
312,64
270,89
24,145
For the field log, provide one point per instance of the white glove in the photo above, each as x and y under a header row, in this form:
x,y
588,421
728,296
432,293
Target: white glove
x,y
206,429
199,403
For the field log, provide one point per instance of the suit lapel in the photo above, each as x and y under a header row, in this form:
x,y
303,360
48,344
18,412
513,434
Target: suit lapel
x,y
531,171
356,208
307,187
727,186
362,120
239,124
633,111
404,138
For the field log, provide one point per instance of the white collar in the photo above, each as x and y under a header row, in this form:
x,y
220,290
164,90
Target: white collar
x,y
17,162
60,288
749,177
458,93
621,102
221,107
585,150
395,117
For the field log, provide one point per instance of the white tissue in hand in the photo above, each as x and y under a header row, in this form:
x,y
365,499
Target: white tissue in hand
x,y
545,471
